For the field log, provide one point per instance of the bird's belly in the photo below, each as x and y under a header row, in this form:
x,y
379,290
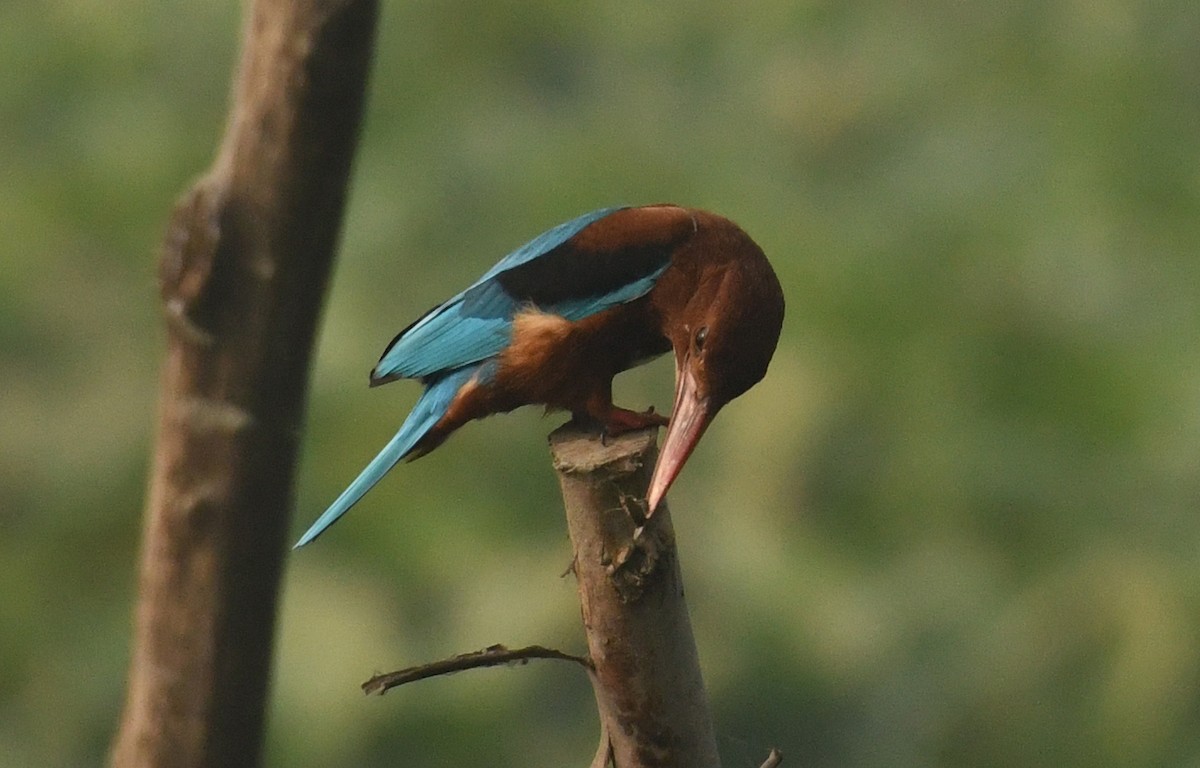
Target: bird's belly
x,y
560,363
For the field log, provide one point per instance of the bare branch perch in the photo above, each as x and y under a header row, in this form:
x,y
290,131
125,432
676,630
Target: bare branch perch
x,y
492,656
649,689
242,273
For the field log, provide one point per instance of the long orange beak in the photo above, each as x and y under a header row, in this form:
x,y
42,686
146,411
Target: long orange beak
x,y
689,418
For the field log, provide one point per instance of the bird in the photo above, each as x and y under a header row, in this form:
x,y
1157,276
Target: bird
x,y
555,320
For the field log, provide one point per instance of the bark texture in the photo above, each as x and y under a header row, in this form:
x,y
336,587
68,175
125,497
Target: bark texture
x,y
649,689
243,271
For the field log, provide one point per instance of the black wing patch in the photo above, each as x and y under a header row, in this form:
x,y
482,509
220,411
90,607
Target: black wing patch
x,y
564,274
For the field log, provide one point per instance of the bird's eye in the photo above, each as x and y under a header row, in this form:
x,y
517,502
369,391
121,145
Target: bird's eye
x,y
701,335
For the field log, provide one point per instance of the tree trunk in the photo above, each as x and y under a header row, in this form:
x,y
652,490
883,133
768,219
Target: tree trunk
x,y
653,707
243,270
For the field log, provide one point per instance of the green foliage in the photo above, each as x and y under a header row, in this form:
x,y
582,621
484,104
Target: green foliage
x,y
956,524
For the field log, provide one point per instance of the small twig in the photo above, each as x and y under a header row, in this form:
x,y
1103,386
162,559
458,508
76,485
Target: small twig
x,y
491,656
773,759
603,756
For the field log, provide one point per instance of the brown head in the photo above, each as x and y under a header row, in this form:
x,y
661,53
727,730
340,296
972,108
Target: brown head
x,y
722,308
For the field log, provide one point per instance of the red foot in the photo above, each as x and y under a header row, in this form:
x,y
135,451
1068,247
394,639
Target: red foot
x,y
621,420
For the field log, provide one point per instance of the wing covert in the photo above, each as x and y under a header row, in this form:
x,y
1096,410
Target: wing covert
x,y
561,272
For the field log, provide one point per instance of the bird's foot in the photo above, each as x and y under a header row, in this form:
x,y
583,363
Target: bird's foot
x,y
620,420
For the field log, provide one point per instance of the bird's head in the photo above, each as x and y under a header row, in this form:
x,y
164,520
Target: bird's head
x,y
724,332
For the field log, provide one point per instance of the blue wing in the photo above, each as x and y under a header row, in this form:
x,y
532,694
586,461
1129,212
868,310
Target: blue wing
x,y
477,323
546,242
429,409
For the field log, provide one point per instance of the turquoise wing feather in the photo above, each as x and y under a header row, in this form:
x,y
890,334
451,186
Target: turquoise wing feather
x,y
429,409
477,323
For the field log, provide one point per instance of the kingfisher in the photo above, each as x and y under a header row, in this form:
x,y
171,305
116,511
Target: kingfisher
x,y
555,320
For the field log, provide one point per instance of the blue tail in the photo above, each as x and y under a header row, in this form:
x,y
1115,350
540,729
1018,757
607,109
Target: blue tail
x,y
429,409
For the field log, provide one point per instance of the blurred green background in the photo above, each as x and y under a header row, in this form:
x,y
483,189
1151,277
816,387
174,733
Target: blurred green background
x,y
955,526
